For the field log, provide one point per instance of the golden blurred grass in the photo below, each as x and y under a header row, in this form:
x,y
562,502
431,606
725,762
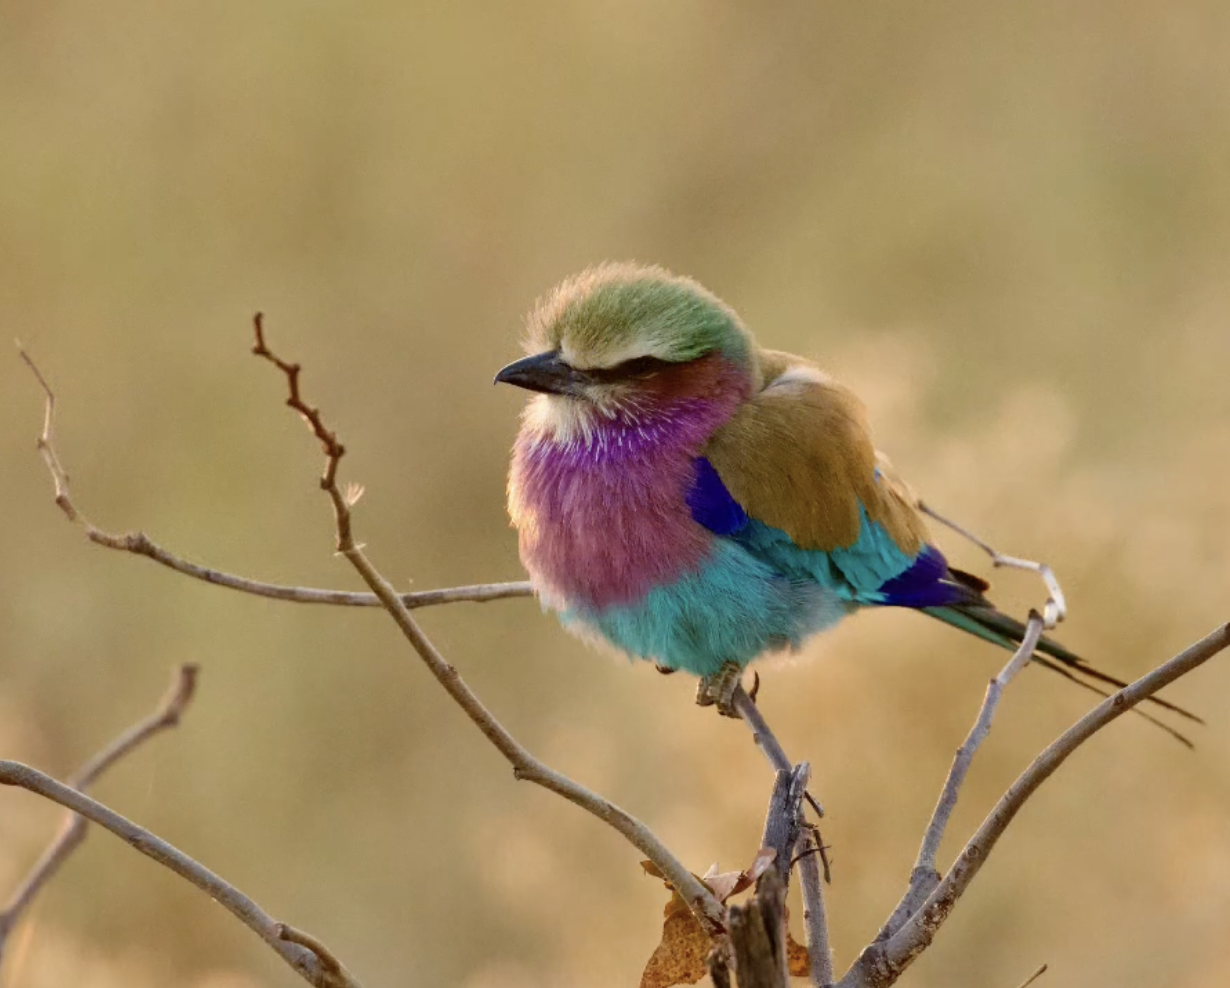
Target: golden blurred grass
x,y
1007,226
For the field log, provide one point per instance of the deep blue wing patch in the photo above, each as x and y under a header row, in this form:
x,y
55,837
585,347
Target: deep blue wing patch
x,y
711,504
925,584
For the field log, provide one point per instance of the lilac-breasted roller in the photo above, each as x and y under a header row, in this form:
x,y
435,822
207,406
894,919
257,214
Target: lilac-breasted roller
x,y
698,501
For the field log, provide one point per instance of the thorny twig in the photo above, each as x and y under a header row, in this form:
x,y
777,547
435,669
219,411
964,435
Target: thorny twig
x,y
787,832
168,713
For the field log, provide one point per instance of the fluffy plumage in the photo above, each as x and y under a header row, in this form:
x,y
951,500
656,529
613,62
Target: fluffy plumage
x,y
695,500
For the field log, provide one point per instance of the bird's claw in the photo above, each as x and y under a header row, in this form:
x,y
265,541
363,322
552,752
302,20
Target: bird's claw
x,y
718,690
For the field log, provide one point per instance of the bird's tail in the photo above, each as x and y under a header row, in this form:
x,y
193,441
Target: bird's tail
x,y
984,621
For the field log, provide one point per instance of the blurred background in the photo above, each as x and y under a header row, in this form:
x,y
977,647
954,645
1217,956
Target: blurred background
x,y
1009,228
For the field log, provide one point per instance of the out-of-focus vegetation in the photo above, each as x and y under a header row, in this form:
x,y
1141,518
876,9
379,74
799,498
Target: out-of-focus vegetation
x,y
1008,226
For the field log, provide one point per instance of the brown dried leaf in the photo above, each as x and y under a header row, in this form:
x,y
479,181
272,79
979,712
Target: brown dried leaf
x,y
760,864
681,957
798,957
723,885
730,883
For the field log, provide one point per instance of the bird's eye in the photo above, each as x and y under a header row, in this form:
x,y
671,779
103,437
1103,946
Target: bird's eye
x,y
637,367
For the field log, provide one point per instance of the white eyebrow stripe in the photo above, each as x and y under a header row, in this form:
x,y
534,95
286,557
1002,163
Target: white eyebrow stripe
x,y
592,360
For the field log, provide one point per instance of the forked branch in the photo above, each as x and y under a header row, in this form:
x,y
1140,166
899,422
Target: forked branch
x,y
883,962
924,877
139,544
313,962
1056,608
167,715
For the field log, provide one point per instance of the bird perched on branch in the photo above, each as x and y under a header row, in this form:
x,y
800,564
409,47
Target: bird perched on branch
x,y
698,501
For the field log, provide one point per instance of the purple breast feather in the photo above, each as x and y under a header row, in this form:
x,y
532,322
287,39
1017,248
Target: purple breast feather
x,y
603,522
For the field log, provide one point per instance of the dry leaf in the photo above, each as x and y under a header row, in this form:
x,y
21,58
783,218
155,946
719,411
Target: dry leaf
x,y
722,886
682,958
797,957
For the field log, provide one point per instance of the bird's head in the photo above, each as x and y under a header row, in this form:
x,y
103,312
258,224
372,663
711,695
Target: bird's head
x,y
623,338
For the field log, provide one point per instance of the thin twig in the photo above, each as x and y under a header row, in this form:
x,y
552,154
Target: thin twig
x,y
766,740
139,544
324,972
1056,608
924,877
704,905
1033,977
882,962
168,713
326,957
815,919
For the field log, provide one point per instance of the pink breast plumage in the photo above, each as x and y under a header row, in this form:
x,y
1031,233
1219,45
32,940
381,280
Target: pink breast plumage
x,y
602,521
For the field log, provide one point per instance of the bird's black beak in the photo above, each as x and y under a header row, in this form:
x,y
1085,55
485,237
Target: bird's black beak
x,y
545,372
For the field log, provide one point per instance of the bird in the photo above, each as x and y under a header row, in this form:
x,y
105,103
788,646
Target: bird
x,y
698,501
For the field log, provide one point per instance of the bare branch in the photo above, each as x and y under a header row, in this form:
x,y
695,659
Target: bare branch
x,y
924,877
318,970
815,919
138,543
73,831
1033,977
882,962
761,732
784,819
1056,608
170,709
785,832
765,739
304,939
704,905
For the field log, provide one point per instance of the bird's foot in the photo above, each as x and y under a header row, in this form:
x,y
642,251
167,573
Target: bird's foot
x,y
719,689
